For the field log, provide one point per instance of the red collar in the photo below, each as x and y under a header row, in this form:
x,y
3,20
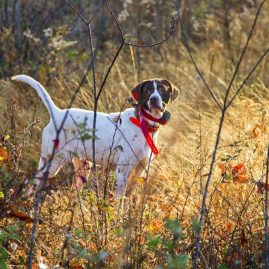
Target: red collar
x,y
150,128
148,116
146,128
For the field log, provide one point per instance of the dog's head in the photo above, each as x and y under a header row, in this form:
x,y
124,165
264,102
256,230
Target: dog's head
x,y
153,94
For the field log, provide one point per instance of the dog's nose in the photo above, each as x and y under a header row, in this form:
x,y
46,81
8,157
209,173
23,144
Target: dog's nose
x,y
154,100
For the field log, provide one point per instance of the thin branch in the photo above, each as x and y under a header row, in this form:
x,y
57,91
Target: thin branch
x,y
243,52
203,206
104,2
109,70
187,46
78,14
131,148
115,19
94,93
248,76
173,22
266,236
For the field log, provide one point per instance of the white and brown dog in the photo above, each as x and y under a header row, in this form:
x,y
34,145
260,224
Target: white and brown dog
x,y
126,143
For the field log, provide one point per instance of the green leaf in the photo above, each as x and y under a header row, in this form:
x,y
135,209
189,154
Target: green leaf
x,y
12,228
195,226
4,172
180,261
3,253
80,233
84,254
119,232
153,242
169,245
3,264
3,235
102,255
237,262
174,227
222,266
2,195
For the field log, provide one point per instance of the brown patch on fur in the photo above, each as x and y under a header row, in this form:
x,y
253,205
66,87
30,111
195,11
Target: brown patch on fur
x,y
136,172
82,171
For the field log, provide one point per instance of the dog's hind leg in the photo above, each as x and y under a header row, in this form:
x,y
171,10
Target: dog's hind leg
x,y
136,172
123,171
46,169
127,173
82,172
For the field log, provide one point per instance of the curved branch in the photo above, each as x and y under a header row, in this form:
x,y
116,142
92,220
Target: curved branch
x,y
242,54
187,46
172,27
79,15
117,22
248,76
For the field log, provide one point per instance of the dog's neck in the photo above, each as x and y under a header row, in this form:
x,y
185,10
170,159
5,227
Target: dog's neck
x,y
151,119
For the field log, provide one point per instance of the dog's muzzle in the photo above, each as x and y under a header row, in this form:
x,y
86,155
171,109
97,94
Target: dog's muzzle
x,y
156,103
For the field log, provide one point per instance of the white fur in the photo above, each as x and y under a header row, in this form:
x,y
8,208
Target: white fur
x,y
155,94
125,144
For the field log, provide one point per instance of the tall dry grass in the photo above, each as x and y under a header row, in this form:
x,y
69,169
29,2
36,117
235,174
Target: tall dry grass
x,y
76,231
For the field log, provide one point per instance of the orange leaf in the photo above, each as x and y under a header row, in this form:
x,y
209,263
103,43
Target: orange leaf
x,y
240,178
257,131
222,168
239,173
3,154
229,225
14,212
239,169
140,180
155,226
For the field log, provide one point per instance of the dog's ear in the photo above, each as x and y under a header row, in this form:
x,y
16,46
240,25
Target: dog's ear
x,y
137,91
174,91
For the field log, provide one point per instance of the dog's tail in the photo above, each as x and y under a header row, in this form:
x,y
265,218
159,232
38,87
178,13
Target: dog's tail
x,y
41,92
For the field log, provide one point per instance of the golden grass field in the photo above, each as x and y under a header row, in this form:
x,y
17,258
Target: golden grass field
x,y
156,229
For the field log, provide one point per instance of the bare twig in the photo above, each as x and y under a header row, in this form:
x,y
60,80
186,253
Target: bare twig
x,y
172,27
187,46
203,206
243,53
248,76
109,70
266,236
94,96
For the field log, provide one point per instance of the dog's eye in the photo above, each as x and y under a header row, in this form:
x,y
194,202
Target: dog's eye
x,y
148,91
162,90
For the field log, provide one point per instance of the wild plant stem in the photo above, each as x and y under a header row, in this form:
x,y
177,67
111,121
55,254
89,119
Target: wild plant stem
x,y
203,206
266,236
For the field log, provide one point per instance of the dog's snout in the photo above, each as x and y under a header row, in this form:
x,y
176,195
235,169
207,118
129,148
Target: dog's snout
x,y
154,100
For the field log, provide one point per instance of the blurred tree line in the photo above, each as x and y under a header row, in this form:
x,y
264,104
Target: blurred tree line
x,y
42,37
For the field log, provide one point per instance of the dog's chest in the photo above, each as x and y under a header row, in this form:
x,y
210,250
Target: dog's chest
x,y
122,139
